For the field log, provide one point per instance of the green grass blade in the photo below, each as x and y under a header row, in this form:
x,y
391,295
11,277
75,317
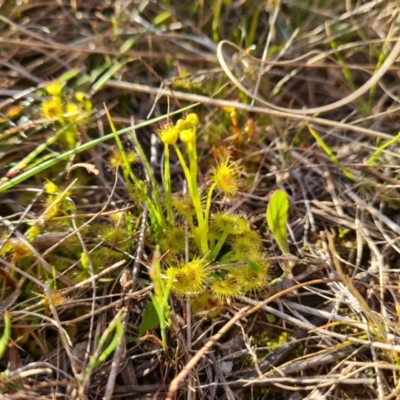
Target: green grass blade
x,y
67,76
116,65
382,147
330,153
381,60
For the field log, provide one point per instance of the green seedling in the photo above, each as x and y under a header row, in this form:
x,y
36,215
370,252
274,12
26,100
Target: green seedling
x,y
277,217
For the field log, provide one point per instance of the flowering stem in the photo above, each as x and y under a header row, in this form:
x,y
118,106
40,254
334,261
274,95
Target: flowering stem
x,y
167,185
208,205
191,178
203,226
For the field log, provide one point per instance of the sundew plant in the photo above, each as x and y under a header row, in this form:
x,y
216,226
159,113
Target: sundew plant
x,y
211,256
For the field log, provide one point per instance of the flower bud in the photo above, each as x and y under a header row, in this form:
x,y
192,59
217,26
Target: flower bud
x,y
188,135
181,124
169,135
54,88
193,119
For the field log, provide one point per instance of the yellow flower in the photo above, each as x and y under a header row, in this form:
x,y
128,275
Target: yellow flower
x,y
87,106
116,158
181,124
52,108
188,135
83,98
169,135
54,88
187,128
193,119
51,188
80,96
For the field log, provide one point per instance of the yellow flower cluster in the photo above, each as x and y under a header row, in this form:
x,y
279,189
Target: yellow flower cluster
x,y
55,106
184,129
60,108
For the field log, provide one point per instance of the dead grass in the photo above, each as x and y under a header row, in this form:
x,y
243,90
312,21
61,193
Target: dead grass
x,y
341,312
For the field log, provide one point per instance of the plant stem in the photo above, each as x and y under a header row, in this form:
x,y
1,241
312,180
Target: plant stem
x,y
203,229
191,178
208,205
167,186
